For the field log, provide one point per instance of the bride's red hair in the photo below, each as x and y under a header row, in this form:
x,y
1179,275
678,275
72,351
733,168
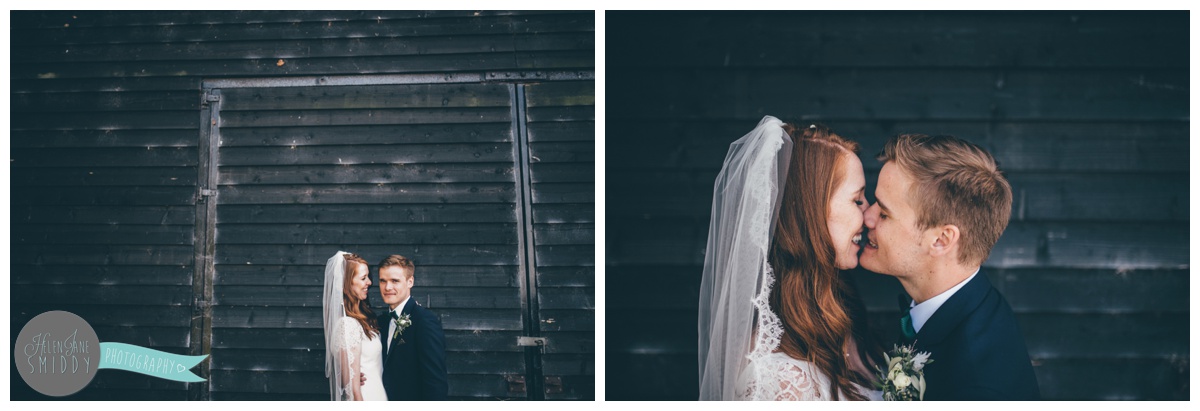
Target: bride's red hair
x,y
819,308
356,308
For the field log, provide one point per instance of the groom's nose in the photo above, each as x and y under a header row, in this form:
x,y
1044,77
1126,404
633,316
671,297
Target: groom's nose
x,y
871,216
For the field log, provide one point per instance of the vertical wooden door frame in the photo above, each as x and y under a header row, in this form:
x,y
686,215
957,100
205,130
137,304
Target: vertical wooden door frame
x,y
200,339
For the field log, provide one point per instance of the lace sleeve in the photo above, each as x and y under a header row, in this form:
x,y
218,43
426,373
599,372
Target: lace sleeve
x,y
350,349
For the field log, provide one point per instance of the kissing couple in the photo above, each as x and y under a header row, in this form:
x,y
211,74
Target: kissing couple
x,y
400,355
779,319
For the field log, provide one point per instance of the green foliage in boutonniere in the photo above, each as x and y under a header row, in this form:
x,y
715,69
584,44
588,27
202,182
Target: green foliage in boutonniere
x,y
401,323
904,377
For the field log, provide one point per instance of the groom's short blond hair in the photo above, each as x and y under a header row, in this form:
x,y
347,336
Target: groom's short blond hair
x,y
954,182
399,261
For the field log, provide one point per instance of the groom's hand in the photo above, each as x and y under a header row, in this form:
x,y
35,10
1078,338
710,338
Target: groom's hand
x,y
362,379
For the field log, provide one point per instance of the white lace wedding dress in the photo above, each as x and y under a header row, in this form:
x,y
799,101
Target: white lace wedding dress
x,y
367,354
789,379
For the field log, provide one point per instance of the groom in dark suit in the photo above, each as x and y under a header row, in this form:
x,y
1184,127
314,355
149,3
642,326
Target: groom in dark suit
x,y
941,204
414,347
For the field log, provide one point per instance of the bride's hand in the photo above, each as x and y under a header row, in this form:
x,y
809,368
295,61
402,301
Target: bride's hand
x,y
362,379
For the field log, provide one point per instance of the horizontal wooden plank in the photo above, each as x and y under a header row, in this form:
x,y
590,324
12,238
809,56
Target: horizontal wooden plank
x,y
899,38
104,234
1103,145
1125,379
561,113
290,118
293,385
564,234
141,295
561,131
419,254
562,172
104,157
368,193
164,196
473,233
282,26
557,365
57,85
177,119
572,387
314,275
555,193
268,65
55,19
106,255
1037,290
117,215
566,298
366,213
51,274
570,342
567,320
108,314
1058,336
105,138
565,255
562,152
566,276
364,97
925,94
305,48
105,176
363,154
369,173
370,134
566,93
434,298
564,213
310,317
105,101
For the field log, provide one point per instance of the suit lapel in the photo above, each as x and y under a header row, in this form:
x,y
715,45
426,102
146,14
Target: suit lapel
x,y
954,311
404,310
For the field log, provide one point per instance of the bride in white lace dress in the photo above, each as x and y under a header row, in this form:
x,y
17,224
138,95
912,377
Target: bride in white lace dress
x,y
352,344
779,320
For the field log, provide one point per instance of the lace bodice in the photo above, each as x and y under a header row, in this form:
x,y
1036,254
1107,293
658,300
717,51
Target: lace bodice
x,y
778,377
364,354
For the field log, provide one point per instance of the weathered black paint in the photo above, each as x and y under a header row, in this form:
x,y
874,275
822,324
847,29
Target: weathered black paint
x,y
110,153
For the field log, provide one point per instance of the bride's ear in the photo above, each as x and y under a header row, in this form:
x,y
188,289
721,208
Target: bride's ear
x,y
946,240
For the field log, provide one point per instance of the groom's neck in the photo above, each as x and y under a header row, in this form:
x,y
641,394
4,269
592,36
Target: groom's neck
x,y
929,283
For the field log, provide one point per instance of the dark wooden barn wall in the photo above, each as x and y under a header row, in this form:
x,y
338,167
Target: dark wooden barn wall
x,y
106,123
1087,113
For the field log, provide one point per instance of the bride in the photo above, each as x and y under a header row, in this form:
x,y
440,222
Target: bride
x,y
778,318
351,335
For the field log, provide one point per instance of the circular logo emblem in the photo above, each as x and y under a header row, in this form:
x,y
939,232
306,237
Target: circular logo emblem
x,y
57,353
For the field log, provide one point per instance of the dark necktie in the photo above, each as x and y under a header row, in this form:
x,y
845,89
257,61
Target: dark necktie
x,y
906,325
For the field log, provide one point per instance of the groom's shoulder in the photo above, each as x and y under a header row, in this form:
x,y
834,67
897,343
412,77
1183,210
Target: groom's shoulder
x,y
422,314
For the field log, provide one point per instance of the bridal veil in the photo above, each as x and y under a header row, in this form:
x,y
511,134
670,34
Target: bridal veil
x,y
737,278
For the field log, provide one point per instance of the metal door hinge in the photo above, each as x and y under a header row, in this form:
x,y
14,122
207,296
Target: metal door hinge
x,y
516,384
212,95
208,192
531,341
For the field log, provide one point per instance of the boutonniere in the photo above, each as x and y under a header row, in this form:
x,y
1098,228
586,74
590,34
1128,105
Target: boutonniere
x,y
402,322
904,377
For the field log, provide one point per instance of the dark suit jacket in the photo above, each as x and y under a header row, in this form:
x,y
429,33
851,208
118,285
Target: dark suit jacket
x,y
977,349
415,367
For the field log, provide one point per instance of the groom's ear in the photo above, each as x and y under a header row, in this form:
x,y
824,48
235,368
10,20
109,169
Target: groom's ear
x,y
946,240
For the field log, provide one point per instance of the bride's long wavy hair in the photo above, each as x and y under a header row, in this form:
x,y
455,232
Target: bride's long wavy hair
x,y
819,305
356,308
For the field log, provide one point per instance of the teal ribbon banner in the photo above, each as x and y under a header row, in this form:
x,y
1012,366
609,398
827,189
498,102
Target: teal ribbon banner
x,y
154,363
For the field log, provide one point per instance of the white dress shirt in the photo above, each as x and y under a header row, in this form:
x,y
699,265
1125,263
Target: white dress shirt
x,y
921,312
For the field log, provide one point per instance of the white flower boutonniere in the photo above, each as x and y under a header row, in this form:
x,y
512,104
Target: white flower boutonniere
x,y
401,323
904,377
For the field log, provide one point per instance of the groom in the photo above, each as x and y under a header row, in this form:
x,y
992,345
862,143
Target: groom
x,y
941,204
414,347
